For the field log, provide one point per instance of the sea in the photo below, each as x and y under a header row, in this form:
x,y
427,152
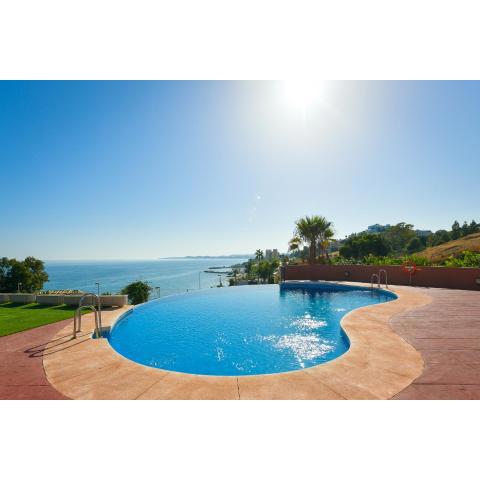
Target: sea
x,y
166,276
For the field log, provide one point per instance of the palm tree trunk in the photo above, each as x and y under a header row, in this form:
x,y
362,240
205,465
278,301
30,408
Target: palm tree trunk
x,y
313,252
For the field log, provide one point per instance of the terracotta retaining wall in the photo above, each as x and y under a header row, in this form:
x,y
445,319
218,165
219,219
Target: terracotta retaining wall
x,y
441,277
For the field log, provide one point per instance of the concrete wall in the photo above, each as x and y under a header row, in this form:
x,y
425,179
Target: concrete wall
x,y
4,297
114,300
22,297
72,300
50,299
441,277
105,300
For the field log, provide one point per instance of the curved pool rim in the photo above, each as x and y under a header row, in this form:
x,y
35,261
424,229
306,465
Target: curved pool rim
x,y
314,284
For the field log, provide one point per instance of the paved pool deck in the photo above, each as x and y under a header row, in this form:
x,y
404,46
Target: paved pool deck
x,y
21,364
447,334
426,345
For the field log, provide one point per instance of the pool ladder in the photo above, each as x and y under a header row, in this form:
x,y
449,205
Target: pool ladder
x,y
378,278
77,319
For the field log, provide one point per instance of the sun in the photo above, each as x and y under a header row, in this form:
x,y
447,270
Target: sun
x,y
303,94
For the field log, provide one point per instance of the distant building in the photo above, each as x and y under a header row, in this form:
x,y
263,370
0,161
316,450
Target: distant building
x,y
423,233
377,228
272,254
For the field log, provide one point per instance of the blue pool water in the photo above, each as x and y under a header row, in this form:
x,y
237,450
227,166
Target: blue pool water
x,y
246,330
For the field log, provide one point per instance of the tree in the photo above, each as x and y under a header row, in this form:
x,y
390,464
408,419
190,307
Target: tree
x,y
364,244
28,275
456,231
294,245
474,227
398,236
325,241
138,292
259,257
414,245
311,231
441,236
266,270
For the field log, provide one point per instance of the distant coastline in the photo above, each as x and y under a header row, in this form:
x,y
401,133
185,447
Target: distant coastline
x,y
244,255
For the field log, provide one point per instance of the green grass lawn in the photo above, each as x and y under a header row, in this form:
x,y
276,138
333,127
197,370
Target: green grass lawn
x,y
16,317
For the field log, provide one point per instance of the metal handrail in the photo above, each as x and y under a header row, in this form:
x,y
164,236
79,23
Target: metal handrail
x,y
99,305
380,277
374,275
98,315
77,320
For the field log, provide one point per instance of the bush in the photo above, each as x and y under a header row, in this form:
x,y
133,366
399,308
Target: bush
x,y
465,259
138,292
339,260
417,260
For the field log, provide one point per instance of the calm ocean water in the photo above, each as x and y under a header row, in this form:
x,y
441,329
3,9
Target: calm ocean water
x,y
171,275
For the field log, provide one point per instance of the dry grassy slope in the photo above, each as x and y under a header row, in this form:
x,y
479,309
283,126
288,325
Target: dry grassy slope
x,y
441,252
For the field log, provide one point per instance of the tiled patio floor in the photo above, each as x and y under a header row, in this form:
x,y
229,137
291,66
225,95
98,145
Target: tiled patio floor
x,y
447,334
21,364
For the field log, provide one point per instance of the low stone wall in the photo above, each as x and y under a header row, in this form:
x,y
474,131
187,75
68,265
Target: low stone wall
x,y
114,300
72,300
22,297
4,297
50,299
105,300
440,277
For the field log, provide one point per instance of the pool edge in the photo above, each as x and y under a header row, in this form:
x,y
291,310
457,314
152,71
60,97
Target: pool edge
x,y
378,364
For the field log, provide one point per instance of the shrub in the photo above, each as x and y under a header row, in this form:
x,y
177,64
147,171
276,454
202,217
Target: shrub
x,y
374,260
465,259
339,260
138,292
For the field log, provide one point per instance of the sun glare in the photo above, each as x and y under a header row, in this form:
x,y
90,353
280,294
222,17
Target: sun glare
x,y
303,94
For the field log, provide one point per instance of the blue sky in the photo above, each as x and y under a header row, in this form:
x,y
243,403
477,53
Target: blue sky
x,y
112,170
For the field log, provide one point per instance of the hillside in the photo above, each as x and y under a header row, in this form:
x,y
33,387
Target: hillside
x,y
441,252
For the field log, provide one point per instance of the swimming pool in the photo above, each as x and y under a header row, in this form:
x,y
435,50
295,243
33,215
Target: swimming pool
x,y
247,330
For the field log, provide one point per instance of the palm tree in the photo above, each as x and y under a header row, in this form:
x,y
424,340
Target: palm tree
x,y
325,241
258,256
294,244
311,231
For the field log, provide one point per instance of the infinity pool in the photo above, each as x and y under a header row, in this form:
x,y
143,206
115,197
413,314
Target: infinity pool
x,y
246,330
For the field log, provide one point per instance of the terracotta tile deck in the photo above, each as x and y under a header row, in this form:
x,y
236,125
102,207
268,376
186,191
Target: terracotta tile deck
x,y
21,364
447,334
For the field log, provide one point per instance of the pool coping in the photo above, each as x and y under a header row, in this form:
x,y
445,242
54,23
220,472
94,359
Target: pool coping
x,y
378,364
